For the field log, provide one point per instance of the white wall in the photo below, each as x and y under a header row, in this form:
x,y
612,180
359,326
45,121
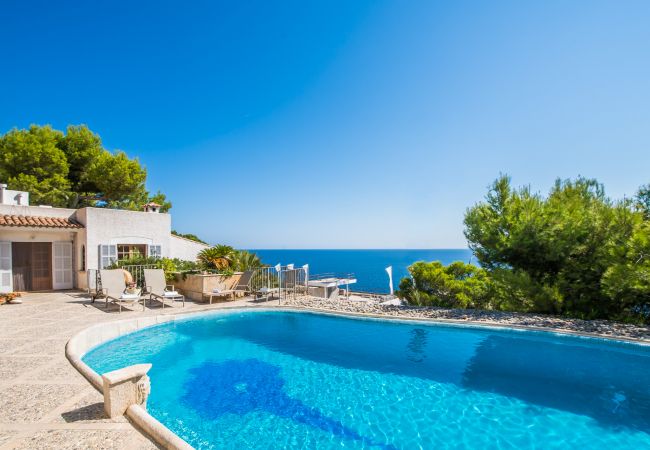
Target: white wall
x,y
36,211
185,249
115,226
22,234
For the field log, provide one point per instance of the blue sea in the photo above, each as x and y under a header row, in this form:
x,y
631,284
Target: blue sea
x,y
367,265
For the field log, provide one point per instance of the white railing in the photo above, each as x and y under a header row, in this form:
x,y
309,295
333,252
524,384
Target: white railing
x,y
284,284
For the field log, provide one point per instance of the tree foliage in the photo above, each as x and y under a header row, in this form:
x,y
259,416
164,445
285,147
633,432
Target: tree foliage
x,y
171,266
226,258
72,169
457,285
191,237
572,252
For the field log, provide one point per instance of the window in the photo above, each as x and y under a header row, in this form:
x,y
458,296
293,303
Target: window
x,y
131,251
83,258
107,255
155,251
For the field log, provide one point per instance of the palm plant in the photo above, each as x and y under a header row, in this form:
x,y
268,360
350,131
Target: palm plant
x,y
245,260
219,257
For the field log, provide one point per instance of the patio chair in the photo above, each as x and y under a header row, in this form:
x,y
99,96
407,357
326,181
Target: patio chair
x,y
241,285
114,289
157,287
266,293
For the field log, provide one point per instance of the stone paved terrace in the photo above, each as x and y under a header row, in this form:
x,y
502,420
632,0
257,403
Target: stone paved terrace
x,y
44,402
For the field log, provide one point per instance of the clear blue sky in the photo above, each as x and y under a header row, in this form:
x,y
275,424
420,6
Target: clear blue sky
x,y
338,123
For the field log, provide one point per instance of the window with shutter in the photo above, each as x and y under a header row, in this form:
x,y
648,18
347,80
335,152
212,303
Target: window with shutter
x,y
155,251
107,255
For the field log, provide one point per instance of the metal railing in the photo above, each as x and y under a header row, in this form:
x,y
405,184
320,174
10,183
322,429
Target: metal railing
x,y
137,272
283,285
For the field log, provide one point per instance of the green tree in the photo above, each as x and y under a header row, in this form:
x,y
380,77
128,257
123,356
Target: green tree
x,y
564,241
457,285
643,200
81,148
119,180
31,160
627,282
72,169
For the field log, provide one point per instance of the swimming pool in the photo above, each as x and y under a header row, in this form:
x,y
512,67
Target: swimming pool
x,y
281,379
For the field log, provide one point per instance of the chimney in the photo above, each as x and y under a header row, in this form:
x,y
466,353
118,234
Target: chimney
x,y
3,188
152,207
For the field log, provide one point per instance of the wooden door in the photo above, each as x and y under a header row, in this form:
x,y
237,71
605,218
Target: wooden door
x,y
22,268
32,266
41,266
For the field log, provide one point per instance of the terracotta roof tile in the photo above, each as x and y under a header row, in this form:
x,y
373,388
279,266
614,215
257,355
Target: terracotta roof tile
x,y
38,221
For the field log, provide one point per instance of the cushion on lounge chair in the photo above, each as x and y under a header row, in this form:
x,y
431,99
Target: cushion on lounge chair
x,y
171,294
216,291
130,297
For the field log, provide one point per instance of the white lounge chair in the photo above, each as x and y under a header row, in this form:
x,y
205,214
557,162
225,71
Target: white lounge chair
x,y
157,287
114,289
241,285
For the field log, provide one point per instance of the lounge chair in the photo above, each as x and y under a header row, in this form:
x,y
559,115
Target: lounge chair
x,y
267,293
157,287
241,285
114,289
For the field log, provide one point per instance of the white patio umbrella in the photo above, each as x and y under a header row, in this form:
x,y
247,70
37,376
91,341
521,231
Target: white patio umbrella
x,y
389,271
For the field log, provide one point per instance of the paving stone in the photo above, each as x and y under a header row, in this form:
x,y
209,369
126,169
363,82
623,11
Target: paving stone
x,y
28,403
14,366
85,439
5,436
89,409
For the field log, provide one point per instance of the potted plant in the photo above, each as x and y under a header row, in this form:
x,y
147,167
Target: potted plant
x,y
10,297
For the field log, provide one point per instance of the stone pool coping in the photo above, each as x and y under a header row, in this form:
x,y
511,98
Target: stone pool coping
x,y
97,334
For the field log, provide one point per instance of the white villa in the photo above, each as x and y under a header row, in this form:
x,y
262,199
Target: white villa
x,y
45,248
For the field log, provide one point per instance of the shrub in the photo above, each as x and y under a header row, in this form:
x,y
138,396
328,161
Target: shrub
x,y
170,266
457,285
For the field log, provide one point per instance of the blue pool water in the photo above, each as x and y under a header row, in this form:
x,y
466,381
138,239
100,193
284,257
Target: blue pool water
x,y
272,379
367,265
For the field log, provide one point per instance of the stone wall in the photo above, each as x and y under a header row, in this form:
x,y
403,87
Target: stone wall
x,y
197,286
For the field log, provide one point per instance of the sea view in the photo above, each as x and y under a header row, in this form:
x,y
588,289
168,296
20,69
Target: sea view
x,y
368,266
